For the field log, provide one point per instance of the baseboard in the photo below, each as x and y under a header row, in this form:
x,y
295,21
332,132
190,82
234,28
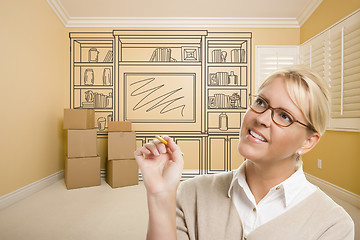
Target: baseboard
x,y
337,191
24,192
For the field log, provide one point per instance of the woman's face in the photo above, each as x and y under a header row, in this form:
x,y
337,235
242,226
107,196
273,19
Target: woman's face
x,y
275,143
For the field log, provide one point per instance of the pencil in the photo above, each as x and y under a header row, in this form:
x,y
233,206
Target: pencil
x,y
163,141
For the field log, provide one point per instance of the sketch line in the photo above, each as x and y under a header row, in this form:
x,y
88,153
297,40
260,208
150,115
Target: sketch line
x,y
158,101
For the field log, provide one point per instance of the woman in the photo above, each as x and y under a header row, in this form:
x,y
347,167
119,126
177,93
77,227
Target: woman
x,y
268,196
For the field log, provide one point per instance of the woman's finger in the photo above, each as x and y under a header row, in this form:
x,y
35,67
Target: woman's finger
x,y
160,146
174,148
141,151
152,148
171,144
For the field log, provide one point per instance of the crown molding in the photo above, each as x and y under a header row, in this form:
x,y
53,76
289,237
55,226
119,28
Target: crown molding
x,y
309,9
59,10
70,21
182,22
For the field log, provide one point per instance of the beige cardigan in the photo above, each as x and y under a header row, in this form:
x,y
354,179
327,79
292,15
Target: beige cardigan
x,y
205,212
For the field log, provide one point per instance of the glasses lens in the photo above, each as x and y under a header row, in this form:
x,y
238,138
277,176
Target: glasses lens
x,y
258,104
282,117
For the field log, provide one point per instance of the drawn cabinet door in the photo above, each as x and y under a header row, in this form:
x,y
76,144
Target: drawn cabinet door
x,y
217,158
235,159
140,141
193,152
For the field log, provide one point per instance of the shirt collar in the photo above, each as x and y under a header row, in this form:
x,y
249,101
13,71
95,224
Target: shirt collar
x,y
291,186
238,175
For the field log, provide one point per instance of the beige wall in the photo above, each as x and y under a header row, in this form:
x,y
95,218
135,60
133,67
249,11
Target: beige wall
x,y
328,13
339,151
34,75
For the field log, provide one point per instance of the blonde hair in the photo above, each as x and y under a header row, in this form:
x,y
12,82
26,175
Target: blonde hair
x,y
309,92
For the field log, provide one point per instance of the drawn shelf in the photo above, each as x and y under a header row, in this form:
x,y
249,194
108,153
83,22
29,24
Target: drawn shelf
x,y
227,99
87,75
160,47
92,75
161,54
227,51
91,64
227,76
228,81
96,98
213,64
171,64
92,51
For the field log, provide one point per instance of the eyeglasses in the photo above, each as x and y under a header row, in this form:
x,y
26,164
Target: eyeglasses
x,y
279,116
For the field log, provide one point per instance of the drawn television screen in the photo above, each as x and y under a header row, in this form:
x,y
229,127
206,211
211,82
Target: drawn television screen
x,y
160,97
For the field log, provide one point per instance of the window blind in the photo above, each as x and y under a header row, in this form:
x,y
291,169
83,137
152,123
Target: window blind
x,y
270,58
335,55
345,69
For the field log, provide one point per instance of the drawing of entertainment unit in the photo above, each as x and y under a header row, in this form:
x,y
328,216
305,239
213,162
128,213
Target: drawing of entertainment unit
x,y
192,85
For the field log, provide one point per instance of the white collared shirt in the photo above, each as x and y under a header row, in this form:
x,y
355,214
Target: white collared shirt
x,y
279,199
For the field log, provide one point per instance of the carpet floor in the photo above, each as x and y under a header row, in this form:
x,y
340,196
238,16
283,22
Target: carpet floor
x,y
89,214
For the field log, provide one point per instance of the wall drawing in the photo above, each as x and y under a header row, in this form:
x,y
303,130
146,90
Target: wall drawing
x,y
192,85
160,97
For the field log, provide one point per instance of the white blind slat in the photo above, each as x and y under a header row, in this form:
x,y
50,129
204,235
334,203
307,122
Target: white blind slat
x,y
352,47
353,79
351,92
351,69
352,56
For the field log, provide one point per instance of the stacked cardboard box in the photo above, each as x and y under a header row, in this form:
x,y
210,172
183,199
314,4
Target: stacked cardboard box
x,y
82,164
122,169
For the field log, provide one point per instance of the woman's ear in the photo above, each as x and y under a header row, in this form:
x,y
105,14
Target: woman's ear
x,y
309,143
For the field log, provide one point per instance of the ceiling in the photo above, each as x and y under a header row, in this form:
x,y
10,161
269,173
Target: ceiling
x,y
211,13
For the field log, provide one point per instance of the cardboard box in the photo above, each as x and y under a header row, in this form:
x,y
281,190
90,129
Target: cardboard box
x,y
119,126
82,172
121,145
81,143
79,118
121,173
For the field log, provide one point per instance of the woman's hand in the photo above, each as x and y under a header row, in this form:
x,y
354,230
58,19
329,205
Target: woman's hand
x,y
161,166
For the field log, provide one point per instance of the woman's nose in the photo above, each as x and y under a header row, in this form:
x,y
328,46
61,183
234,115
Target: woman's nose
x,y
265,118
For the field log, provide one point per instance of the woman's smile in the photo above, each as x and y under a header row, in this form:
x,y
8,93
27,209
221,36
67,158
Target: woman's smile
x,y
256,137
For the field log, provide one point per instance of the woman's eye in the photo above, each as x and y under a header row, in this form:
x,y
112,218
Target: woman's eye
x,y
285,116
260,102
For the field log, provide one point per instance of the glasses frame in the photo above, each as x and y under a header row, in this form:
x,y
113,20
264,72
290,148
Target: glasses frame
x,y
294,120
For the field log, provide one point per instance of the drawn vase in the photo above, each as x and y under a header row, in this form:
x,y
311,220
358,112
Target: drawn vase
x,y
223,56
223,122
101,122
233,79
107,77
93,55
109,101
89,96
89,77
109,118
